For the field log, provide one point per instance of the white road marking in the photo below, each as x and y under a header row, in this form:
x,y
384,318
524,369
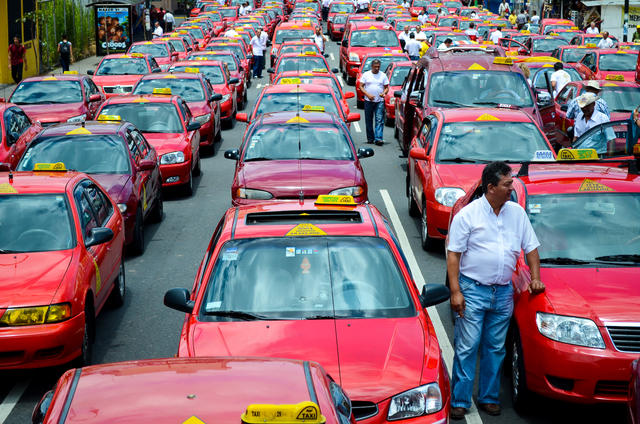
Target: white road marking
x,y
472,416
357,127
12,399
259,86
340,80
331,56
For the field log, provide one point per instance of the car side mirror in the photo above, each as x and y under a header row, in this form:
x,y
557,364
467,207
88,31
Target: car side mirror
x,y
418,153
215,97
349,95
271,71
365,152
156,70
326,55
41,409
543,98
11,139
147,165
242,117
99,235
353,117
564,108
193,125
415,98
234,81
397,93
95,97
232,154
90,72
433,294
179,299
335,70
570,133
344,43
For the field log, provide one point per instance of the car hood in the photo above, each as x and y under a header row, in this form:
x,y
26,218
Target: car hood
x,y
374,358
111,80
285,178
602,294
36,273
462,175
167,142
46,113
114,184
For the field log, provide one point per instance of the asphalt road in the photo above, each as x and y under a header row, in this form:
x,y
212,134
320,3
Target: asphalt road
x,y
145,328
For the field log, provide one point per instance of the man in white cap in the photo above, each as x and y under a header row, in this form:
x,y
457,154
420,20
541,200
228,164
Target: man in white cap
x,y
587,119
592,86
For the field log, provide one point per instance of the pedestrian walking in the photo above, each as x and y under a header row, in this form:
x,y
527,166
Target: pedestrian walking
x,y
512,18
258,54
535,19
17,59
264,39
503,8
169,21
157,31
606,42
413,47
65,51
521,19
485,240
325,9
374,85
559,78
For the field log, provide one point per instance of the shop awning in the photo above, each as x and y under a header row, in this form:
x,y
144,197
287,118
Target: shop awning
x,y
593,3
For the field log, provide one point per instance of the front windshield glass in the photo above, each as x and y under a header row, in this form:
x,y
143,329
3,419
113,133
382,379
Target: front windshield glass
x,y
489,141
399,75
155,50
95,154
297,141
35,223
148,117
573,55
213,73
400,25
456,38
547,45
587,226
303,63
420,3
178,45
228,13
539,80
478,88
286,102
47,92
621,99
551,28
374,38
618,62
215,17
124,66
189,89
348,8
307,277
299,48
340,19
293,34
452,4
384,61
226,58
567,36
235,48
448,22
316,79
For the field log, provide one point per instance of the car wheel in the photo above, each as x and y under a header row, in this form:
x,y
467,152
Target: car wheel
x,y
519,393
360,104
158,209
188,187
88,336
427,242
137,245
119,288
413,207
197,170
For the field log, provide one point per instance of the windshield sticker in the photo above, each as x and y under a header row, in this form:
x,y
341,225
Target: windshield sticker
x,y
78,131
231,254
213,305
535,208
487,117
290,252
543,155
6,188
590,185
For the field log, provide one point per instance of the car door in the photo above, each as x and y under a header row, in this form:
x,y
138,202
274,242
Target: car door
x,y
144,181
192,136
615,134
402,100
422,170
562,123
587,66
92,91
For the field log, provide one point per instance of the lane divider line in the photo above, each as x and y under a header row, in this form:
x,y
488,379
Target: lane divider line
x,y
341,81
12,398
331,56
357,127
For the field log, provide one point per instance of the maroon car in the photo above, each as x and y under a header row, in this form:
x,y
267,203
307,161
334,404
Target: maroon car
x,y
17,130
275,162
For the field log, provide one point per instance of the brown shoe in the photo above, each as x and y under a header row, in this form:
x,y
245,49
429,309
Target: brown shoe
x,y
457,413
490,408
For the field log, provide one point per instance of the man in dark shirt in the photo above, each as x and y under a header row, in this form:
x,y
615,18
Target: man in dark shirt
x,y
17,58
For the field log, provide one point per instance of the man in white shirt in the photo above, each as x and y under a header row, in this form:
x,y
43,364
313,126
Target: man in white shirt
x,y
374,85
495,36
169,21
504,8
485,240
423,17
588,118
405,4
157,31
319,39
363,5
413,47
247,8
325,9
559,78
264,39
441,12
606,42
535,19
592,28
445,45
404,35
231,32
258,54
472,32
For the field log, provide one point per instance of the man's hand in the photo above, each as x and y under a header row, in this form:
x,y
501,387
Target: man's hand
x,y
536,286
370,97
457,303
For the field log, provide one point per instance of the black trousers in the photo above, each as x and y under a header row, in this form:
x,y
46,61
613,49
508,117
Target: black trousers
x,y
16,72
64,62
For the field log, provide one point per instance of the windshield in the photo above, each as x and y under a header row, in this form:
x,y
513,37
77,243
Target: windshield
x,y
298,141
189,89
568,224
618,62
316,79
35,223
539,80
374,38
228,13
286,102
299,48
340,19
452,4
42,92
303,63
123,67
148,117
399,75
478,88
621,99
155,50
384,61
213,73
550,28
236,49
308,277
547,45
215,17
337,8
178,45
400,25
293,34
226,58
420,3
95,154
489,141
448,22
456,38
573,55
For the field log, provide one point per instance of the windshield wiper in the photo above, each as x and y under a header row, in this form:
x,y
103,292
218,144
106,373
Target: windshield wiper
x,y
247,316
620,258
320,317
461,160
449,102
256,159
9,251
564,261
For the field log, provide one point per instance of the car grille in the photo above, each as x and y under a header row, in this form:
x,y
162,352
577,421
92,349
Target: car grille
x,y
119,89
362,409
612,388
625,338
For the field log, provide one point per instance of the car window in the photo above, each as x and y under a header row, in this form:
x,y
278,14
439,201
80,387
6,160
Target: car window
x,y
93,88
566,94
143,146
86,89
16,123
133,147
98,203
88,220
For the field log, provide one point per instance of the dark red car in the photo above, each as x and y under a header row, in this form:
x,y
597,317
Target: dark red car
x,y
17,132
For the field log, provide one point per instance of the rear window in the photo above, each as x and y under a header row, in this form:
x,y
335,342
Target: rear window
x,y
293,34
155,50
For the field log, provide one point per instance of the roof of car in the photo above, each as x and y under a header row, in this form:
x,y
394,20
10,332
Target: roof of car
x,y
600,52
485,114
358,25
297,88
196,63
31,182
55,77
608,83
86,128
142,98
173,75
274,118
293,25
128,56
471,62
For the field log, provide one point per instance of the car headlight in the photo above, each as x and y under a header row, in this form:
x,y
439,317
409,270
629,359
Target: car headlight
x,y
353,57
447,196
348,191
36,315
416,402
202,119
173,157
122,207
250,193
392,101
225,97
570,330
77,119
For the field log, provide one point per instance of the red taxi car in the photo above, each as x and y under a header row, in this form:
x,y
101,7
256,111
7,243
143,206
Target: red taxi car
x,y
571,54
118,157
447,157
599,63
634,393
307,61
385,59
538,45
196,90
294,46
17,132
290,155
547,25
583,39
116,74
61,252
167,124
336,26
255,389
161,50
234,66
396,72
58,98
287,31
582,215
355,316
179,44
316,77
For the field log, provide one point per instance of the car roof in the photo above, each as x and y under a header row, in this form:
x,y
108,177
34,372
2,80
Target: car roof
x,y
609,83
299,88
127,56
613,51
273,118
88,128
173,75
55,77
358,25
32,182
464,62
196,63
485,114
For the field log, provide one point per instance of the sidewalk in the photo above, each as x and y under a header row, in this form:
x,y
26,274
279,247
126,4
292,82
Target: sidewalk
x,y
81,66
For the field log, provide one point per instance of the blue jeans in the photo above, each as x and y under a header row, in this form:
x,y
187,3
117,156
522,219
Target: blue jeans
x,y
258,65
374,110
486,319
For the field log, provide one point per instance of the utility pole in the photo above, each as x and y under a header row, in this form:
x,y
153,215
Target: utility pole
x,y
625,28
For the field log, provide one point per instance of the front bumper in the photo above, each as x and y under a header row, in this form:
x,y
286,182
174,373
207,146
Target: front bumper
x,y
175,173
438,219
352,68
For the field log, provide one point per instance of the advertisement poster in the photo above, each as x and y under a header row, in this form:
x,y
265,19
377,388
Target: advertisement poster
x,y
113,30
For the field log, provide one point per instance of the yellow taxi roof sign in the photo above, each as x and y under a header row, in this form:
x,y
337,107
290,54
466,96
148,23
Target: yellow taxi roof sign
x,y
137,55
70,72
56,167
327,199
319,70
309,53
165,91
503,61
51,78
614,77
290,81
192,70
310,108
109,118
304,229
303,412
577,154
591,45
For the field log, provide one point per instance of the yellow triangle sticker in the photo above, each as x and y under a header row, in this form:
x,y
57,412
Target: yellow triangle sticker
x,y
590,185
50,79
193,420
305,230
79,131
170,76
487,117
476,67
6,188
297,120
140,100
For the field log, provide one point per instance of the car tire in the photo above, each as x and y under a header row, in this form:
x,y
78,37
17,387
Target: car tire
x,y
413,207
520,394
116,298
137,244
197,170
360,104
187,188
426,241
88,337
158,209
